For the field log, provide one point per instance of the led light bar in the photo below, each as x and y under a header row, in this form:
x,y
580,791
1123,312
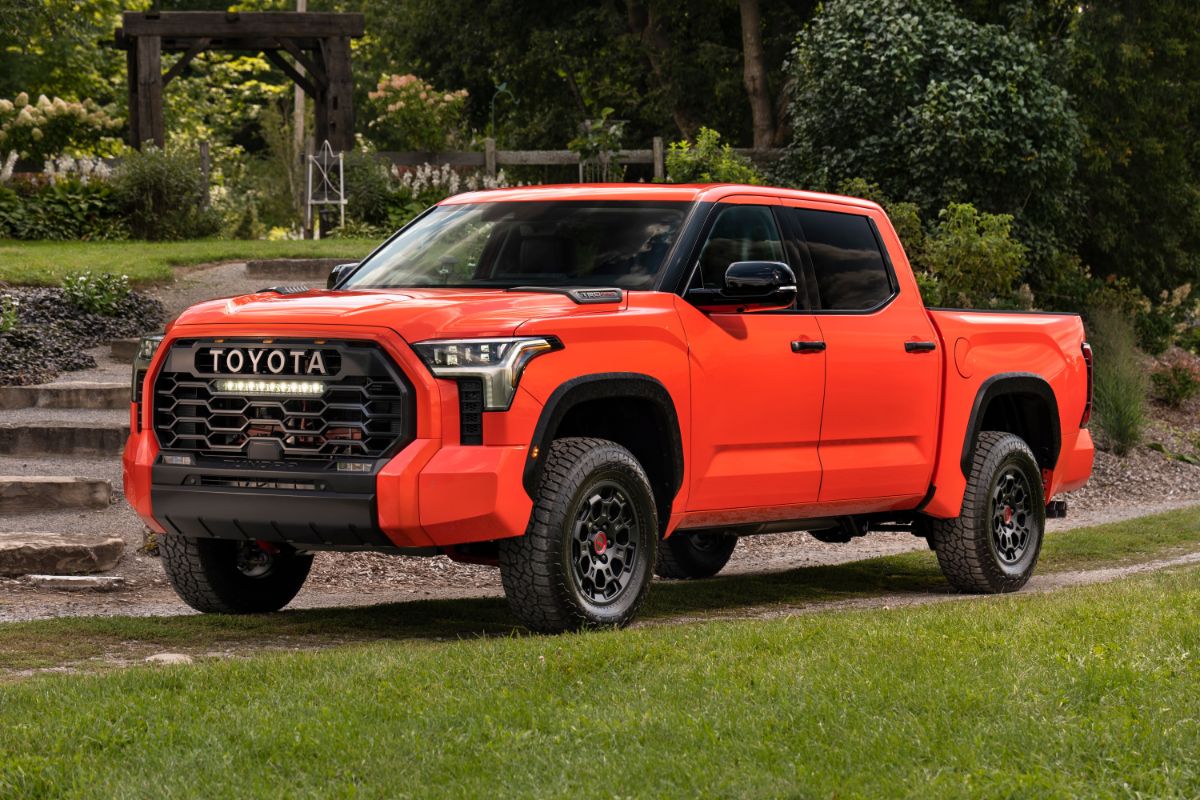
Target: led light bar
x,y
306,388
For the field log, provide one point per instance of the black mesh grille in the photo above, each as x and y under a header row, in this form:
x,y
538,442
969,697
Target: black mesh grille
x,y
363,411
470,410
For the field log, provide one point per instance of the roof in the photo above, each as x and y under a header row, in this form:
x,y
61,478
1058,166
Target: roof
x,y
709,192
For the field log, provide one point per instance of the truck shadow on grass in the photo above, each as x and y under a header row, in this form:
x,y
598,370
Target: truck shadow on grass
x,y
101,641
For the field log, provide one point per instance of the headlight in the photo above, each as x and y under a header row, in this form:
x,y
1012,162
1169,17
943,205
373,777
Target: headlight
x,y
147,346
498,362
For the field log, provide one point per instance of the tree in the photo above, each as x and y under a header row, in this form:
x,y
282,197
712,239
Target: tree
x,y
936,109
768,132
1136,78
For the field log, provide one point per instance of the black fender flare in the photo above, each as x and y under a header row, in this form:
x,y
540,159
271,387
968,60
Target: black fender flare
x,y
597,386
1008,383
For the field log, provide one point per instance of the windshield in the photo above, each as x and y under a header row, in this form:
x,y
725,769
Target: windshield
x,y
502,245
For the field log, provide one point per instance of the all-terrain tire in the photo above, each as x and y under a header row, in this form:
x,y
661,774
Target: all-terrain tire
x,y
993,544
694,555
594,529
206,575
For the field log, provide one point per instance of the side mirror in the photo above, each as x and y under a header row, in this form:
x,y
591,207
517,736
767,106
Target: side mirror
x,y
338,274
750,286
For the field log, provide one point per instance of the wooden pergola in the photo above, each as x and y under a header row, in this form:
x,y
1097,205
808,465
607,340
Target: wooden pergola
x,y
317,42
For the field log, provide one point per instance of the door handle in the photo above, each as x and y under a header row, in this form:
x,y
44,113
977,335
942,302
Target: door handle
x,y
807,346
919,347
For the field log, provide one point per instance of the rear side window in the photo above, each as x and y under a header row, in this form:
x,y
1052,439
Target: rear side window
x,y
850,270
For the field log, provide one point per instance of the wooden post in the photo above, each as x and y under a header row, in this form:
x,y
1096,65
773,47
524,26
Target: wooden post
x,y
338,99
660,172
149,91
489,157
132,81
205,171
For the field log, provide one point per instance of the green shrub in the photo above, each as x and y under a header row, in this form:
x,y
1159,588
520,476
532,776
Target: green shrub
x,y
162,195
708,161
1175,385
369,192
96,293
972,257
8,313
1120,383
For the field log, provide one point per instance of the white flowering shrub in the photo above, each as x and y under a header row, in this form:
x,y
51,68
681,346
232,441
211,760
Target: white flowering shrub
x,y
82,169
50,127
96,293
7,165
9,306
410,114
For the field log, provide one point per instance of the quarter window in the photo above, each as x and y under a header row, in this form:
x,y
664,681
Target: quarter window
x,y
849,268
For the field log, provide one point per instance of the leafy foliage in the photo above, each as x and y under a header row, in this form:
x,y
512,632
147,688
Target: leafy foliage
x,y
935,109
1136,79
708,161
66,209
9,306
162,195
96,293
1175,385
410,114
970,257
1120,383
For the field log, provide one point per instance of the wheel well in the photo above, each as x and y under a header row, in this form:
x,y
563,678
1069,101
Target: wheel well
x,y
1021,405
638,424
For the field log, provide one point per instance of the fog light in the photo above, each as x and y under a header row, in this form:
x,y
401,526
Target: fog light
x,y
178,461
309,388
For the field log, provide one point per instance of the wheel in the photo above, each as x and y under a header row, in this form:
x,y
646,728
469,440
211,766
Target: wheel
x,y
993,545
694,555
223,576
588,554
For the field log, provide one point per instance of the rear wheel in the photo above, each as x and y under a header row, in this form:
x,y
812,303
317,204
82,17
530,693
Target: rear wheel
x,y
229,577
694,555
993,545
586,558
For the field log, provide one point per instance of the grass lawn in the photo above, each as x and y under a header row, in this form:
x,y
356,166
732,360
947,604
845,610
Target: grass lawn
x,y
89,643
46,263
1087,692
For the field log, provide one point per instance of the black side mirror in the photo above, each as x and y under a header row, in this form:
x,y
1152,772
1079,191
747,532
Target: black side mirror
x,y
339,274
750,286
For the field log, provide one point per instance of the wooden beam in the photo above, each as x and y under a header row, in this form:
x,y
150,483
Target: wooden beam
x,y
337,100
149,91
285,65
302,58
179,66
222,25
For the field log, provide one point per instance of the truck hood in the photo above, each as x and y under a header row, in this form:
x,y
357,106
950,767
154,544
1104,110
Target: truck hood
x,y
416,314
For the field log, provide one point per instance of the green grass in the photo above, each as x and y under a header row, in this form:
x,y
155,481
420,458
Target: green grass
x,y
47,263
91,643
1086,692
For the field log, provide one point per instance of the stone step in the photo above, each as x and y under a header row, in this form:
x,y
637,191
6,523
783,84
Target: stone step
x,y
124,349
312,270
63,438
58,553
51,493
66,395
78,583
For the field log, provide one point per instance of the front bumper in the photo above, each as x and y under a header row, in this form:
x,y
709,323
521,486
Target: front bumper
x,y
433,492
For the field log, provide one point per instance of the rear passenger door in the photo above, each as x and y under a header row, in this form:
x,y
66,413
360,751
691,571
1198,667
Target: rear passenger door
x,y
882,371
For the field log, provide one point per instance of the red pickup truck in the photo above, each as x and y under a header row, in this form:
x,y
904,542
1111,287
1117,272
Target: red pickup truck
x,y
585,385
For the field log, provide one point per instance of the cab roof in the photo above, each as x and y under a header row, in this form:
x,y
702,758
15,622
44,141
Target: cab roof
x,y
687,193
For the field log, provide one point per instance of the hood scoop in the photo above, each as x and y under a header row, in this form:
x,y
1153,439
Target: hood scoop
x,y
295,288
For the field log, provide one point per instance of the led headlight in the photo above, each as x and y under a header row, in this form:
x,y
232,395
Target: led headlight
x,y
147,346
498,362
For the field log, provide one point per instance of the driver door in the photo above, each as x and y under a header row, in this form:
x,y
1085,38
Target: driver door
x,y
757,379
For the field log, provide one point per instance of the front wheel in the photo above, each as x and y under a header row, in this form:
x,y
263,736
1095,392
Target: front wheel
x,y
993,544
224,576
587,557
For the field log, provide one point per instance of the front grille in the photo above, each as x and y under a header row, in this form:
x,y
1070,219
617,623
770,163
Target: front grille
x,y
363,408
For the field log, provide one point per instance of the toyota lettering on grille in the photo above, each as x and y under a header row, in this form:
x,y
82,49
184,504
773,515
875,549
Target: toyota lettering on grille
x,y
264,361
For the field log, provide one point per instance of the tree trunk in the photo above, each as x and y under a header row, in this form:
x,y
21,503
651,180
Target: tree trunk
x,y
656,50
754,75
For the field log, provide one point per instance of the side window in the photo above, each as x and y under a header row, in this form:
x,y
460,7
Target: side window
x,y
741,233
850,271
